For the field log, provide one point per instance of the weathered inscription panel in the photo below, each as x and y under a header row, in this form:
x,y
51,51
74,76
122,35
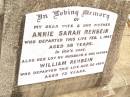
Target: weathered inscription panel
x,y
65,42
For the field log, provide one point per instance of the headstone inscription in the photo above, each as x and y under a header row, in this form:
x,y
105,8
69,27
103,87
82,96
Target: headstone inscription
x,y
65,42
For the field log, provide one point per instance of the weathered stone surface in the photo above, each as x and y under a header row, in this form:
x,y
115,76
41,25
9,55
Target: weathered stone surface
x,y
1,19
15,11
1,28
1,7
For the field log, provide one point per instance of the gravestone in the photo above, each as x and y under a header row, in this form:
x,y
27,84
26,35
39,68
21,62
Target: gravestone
x,y
21,15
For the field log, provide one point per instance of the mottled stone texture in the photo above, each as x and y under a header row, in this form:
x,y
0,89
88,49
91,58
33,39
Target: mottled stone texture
x,y
1,19
1,28
1,6
15,11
